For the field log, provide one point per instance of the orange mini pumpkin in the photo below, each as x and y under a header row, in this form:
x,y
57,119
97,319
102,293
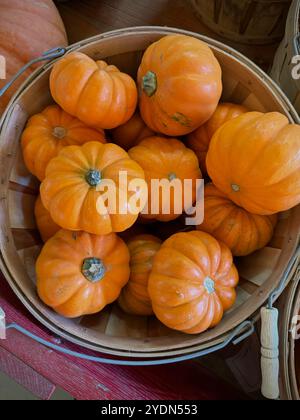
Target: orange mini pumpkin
x,y
27,30
45,224
130,134
199,140
192,282
134,298
254,159
180,83
72,190
165,159
93,91
241,231
47,133
79,274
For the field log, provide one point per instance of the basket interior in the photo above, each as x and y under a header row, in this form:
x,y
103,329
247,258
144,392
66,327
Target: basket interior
x,y
112,330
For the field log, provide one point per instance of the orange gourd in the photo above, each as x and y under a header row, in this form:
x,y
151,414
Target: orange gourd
x,y
192,282
27,30
93,91
134,298
180,84
45,224
166,159
75,188
241,231
47,133
131,133
200,139
79,274
254,159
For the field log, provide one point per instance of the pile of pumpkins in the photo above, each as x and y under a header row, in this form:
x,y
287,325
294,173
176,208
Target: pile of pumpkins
x,y
170,124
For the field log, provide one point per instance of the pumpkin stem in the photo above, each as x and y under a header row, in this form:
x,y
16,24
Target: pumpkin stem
x,y
150,83
209,285
235,187
172,176
93,177
93,269
59,132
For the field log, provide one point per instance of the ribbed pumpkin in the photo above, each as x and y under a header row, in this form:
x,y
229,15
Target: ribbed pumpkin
x,y
241,231
255,160
72,190
79,274
130,134
180,84
134,298
167,159
93,91
27,29
192,282
200,139
47,133
45,224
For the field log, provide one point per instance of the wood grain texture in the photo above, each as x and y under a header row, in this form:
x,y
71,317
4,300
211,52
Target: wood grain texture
x,y
25,375
87,381
85,18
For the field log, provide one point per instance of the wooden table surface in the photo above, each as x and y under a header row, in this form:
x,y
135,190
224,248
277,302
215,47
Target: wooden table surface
x,y
40,369
86,18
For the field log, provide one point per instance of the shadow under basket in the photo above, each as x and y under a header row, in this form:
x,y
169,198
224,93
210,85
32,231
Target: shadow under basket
x,y
113,332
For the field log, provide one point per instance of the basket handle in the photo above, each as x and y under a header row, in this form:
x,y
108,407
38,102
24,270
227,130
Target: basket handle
x,y
270,353
240,333
46,56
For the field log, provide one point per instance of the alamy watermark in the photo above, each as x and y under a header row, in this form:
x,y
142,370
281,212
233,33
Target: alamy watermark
x,y
159,197
296,327
296,67
2,67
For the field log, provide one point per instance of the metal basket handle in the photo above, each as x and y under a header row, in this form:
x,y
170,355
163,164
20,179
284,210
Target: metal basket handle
x,y
239,334
46,56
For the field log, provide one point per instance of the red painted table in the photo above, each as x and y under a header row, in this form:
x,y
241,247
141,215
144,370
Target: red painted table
x,y
41,370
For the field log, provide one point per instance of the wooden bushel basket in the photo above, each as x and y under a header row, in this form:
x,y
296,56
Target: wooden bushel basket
x,y
245,21
112,332
283,62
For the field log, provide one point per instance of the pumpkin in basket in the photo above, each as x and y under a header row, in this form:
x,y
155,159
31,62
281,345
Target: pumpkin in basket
x,y
77,189
192,282
27,29
167,160
255,160
93,91
79,274
241,231
200,139
47,133
134,298
45,224
180,84
131,133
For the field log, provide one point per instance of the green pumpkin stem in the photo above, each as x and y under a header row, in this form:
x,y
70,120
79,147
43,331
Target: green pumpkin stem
x,y
150,83
235,187
209,285
93,269
93,177
59,132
